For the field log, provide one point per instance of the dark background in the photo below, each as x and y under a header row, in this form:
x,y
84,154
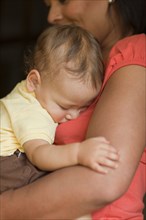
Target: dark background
x,y
21,21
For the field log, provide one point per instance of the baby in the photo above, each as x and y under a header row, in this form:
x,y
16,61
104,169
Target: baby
x,y
63,80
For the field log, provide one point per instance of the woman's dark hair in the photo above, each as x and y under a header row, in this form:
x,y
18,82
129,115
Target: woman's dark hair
x,y
133,14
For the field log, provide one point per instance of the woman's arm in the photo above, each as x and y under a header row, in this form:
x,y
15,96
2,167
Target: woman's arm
x,y
72,192
120,117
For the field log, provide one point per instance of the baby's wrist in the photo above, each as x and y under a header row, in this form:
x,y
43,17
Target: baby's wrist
x,y
76,149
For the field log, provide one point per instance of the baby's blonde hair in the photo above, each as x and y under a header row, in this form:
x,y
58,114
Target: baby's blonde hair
x,y
69,47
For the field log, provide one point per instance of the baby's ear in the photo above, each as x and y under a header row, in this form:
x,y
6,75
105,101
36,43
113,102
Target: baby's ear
x,y
33,80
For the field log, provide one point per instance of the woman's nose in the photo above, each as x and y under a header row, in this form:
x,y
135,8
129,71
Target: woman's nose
x,y
54,14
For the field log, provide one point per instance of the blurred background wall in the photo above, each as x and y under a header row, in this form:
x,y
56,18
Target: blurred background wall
x,y
21,21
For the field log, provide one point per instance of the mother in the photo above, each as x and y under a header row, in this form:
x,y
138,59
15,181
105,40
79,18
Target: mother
x,y
119,116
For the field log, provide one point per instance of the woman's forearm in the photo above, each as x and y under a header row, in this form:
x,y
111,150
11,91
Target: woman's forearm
x,y
65,194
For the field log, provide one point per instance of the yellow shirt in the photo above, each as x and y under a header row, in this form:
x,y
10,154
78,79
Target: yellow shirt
x,y
22,118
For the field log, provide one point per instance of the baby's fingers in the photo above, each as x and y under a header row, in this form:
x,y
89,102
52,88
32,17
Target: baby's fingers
x,y
112,155
109,163
99,168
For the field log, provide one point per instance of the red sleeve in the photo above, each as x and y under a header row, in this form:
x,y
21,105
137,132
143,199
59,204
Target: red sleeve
x,y
128,51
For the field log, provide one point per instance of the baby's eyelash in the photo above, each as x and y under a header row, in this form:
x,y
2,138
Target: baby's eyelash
x,y
64,108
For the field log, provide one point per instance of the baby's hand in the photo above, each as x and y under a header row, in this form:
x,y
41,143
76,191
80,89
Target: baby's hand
x,y
98,154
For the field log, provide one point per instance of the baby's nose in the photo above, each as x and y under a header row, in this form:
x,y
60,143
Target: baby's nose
x,y
72,115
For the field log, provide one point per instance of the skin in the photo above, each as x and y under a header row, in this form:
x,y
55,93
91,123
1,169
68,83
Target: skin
x,y
123,124
56,95
97,20
57,98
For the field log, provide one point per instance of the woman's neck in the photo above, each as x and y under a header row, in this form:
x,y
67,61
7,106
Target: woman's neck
x,y
110,41
106,48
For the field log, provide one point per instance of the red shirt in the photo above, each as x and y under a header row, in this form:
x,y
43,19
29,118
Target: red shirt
x,y
128,51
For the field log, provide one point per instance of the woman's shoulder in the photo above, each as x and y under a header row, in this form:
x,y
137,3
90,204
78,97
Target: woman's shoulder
x,y
130,48
128,51
138,39
135,42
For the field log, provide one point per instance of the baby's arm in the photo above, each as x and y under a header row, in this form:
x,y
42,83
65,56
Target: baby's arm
x,y
95,153
50,157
